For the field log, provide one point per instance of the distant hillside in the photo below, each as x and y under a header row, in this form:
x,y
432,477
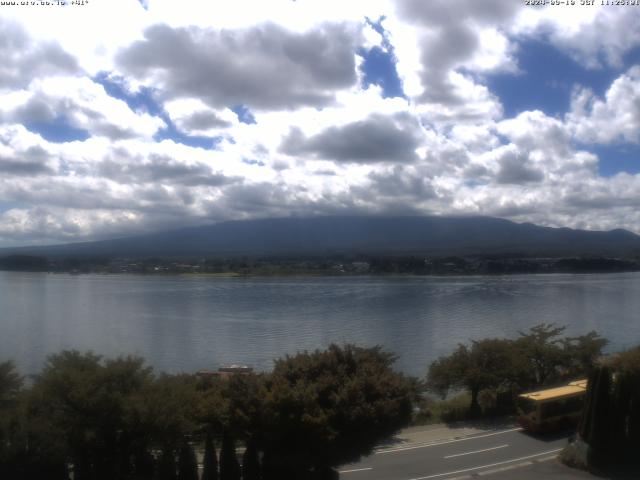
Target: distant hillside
x,y
364,235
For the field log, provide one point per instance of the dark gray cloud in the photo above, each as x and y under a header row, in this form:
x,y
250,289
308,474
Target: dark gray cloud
x,y
203,121
102,126
22,59
514,169
448,12
45,108
602,196
14,166
30,162
453,40
162,169
262,67
375,139
401,183
36,109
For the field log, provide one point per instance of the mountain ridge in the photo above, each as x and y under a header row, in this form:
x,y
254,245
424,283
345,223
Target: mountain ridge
x,y
355,234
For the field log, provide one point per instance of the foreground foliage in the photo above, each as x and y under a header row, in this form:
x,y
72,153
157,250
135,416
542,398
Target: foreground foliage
x,y
114,419
536,358
611,419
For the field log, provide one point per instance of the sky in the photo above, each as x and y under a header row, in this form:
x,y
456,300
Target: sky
x,y
120,117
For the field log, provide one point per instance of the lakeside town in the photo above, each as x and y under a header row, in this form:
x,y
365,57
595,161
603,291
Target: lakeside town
x,y
331,265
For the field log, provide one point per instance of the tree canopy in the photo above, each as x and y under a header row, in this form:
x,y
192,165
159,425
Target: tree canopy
x,y
115,419
538,357
330,407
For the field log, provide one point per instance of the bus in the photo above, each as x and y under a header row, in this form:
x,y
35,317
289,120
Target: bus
x,y
552,409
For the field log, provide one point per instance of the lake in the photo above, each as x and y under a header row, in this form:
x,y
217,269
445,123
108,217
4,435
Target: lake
x,y
186,323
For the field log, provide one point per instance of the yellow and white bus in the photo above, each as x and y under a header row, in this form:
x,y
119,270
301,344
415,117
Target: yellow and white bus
x,y
553,408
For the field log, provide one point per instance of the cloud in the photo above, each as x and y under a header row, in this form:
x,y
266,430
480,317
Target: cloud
x,y
614,118
402,183
376,139
23,58
193,117
13,166
594,36
449,40
28,161
82,104
514,168
324,141
159,169
263,67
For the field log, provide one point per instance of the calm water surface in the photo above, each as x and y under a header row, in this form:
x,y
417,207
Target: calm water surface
x,y
185,323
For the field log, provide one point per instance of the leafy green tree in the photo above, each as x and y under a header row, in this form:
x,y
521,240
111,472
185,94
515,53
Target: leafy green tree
x,y
229,466
167,409
144,463
250,462
167,465
330,407
210,461
84,402
242,405
187,463
12,437
10,385
486,364
625,407
582,353
610,422
542,349
595,426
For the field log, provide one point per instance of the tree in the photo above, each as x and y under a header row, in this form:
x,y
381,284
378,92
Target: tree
x,y
10,385
210,461
166,410
229,466
595,425
187,463
242,405
485,364
250,462
582,352
167,465
542,349
610,422
12,438
85,403
330,407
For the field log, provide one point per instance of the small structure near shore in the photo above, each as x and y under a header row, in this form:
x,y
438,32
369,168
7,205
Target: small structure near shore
x,y
226,371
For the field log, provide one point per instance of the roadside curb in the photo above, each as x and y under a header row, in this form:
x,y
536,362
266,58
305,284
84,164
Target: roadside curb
x,y
438,441
506,468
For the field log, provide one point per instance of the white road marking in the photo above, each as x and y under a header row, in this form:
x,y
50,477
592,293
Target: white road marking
x,y
487,466
355,470
477,451
425,445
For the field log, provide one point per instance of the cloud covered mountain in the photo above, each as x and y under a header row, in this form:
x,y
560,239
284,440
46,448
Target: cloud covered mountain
x,y
174,114
361,235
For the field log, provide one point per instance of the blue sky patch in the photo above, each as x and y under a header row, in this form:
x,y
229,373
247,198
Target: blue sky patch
x,y
143,101
547,78
617,158
58,131
244,114
139,101
379,65
379,68
8,205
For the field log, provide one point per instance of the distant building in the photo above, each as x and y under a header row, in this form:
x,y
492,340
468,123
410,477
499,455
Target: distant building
x,y
226,371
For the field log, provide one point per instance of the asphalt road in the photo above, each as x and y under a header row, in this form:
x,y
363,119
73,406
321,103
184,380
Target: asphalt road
x,y
476,454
